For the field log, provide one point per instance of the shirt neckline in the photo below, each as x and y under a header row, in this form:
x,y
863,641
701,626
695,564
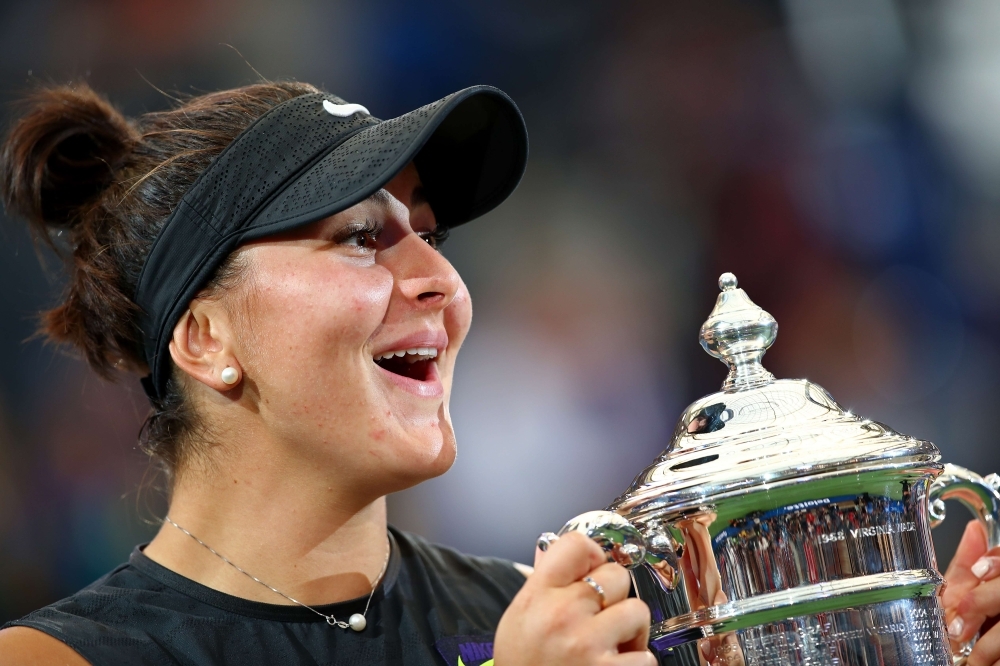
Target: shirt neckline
x,y
279,612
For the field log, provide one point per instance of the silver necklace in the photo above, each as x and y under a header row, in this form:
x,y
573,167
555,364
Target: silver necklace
x,y
357,622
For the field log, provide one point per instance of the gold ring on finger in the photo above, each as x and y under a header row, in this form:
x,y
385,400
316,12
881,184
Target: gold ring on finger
x,y
597,588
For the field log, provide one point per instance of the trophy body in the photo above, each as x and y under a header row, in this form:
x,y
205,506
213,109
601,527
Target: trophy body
x,y
837,570
779,528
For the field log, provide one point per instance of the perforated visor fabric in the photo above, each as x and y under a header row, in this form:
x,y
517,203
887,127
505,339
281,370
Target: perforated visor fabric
x,y
299,163
470,152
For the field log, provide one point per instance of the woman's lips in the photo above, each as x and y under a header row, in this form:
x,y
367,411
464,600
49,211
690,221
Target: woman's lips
x,y
438,339
430,387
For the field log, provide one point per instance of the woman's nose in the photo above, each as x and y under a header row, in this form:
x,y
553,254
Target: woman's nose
x,y
424,277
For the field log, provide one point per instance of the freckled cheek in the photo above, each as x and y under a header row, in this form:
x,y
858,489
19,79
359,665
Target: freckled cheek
x,y
370,298
338,310
352,312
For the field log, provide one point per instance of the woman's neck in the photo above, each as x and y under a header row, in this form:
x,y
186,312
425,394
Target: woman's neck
x,y
292,533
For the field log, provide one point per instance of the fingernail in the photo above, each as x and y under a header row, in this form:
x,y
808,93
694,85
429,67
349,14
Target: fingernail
x,y
981,567
706,648
955,628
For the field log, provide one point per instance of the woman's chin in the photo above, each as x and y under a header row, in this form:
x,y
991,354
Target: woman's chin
x,y
440,459
428,460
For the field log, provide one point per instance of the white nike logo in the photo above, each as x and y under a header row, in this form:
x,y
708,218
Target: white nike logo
x,y
343,110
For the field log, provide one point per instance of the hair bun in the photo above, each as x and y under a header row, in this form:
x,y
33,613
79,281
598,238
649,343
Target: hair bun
x,y
62,154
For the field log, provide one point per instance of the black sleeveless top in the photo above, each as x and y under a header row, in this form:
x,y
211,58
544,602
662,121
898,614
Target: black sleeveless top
x,y
434,606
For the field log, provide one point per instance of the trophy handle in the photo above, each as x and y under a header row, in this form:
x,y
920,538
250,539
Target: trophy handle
x,y
980,496
616,536
625,544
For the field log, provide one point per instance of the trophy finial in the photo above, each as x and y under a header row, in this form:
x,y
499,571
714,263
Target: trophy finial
x,y
738,333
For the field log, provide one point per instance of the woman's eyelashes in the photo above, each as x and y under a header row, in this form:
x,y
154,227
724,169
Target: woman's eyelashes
x,y
363,235
437,237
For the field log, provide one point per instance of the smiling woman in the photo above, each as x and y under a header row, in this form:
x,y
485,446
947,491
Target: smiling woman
x,y
267,260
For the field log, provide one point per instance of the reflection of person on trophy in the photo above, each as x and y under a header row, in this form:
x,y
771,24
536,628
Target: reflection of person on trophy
x,y
704,583
701,574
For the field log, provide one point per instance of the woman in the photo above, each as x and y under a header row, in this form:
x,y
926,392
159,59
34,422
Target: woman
x,y
283,410
266,259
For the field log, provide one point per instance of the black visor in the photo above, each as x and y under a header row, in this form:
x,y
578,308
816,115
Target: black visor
x,y
311,157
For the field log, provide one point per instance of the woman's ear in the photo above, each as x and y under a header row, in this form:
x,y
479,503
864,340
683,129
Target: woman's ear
x,y
202,346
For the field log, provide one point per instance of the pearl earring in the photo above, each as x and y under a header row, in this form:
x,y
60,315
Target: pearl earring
x,y
230,375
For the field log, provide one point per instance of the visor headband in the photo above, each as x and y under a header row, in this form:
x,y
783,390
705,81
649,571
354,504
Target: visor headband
x,y
216,213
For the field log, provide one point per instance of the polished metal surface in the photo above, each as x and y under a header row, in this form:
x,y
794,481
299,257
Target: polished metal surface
x,y
737,332
898,632
779,528
616,536
978,494
799,601
760,431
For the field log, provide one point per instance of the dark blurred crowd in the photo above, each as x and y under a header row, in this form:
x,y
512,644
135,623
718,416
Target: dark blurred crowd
x,y
840,157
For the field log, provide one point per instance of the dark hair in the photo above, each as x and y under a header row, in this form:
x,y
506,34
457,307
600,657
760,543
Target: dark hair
x,y
97,187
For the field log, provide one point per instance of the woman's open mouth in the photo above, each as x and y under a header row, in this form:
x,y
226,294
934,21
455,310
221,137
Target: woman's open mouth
x,y
417,363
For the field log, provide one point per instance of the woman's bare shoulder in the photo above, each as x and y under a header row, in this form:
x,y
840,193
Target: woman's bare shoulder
x,y
23,646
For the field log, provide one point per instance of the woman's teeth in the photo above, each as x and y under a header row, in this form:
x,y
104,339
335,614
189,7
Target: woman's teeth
x,y
413,355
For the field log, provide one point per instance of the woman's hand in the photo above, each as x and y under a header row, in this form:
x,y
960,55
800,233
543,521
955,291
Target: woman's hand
x,y
557,618
972,597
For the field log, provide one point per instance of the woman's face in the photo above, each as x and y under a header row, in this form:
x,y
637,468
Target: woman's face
x,y
350,328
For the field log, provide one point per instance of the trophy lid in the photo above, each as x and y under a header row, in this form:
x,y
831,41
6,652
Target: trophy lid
x,y
759,432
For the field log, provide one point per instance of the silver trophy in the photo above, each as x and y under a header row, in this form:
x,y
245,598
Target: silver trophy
x,y
778,528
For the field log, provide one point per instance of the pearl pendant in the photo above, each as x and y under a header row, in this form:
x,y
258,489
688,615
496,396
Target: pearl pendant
x,y
358,622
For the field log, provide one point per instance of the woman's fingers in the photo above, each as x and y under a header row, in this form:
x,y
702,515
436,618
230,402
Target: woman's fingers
x,y
557,617
969,614
643,658
972,545
626,624
614,582
973,592
987,649
567,560
960,577
987,567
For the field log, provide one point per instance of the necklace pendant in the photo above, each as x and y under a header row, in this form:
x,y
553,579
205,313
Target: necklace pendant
x,y
357,622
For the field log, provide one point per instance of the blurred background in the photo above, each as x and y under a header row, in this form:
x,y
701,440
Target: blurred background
x,y
842,157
